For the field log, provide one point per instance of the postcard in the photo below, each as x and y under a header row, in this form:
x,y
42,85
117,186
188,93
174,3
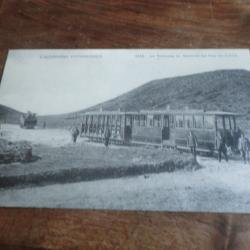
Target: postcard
x,y
126,129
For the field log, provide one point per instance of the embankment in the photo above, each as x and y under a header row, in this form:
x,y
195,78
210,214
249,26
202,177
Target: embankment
x,y
88,174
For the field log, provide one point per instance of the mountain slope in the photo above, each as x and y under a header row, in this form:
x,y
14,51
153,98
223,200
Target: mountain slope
x,y
227,90
9,115
224,89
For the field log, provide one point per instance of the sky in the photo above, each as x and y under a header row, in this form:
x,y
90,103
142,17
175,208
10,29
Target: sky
x,y
61,81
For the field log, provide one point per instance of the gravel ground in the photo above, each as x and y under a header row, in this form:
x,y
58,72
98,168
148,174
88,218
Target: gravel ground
x,y
220,188
55,151
216,187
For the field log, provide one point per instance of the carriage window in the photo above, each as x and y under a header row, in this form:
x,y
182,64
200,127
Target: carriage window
x,y
103,119
157,120
91,119
128,120
166,121
118,120
189,121
113,117
99,119
113,132
150,121
122,120
208,122
95,121
95,118
227,122
118,125
179,121
219,122
136,120
171,121
198,121
233,122
107,120
94,128
142,120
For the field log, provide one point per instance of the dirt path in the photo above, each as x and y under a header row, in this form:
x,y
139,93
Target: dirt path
x,y
81,161
216,187
221,188
49,137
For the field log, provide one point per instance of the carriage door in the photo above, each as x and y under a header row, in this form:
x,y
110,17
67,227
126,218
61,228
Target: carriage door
x,y
165,129
128,128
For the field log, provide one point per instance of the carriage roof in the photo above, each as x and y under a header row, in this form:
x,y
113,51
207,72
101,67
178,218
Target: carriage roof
x,y
113,112
173,112
190,112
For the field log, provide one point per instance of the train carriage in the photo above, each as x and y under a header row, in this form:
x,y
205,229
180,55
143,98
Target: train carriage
x,y
160,127
119,123
151,127
205,126
171,128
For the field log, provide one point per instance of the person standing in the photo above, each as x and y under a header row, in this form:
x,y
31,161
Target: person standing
x,y
221,143
107,135
74,132
82,128
236,136
244,147
192,144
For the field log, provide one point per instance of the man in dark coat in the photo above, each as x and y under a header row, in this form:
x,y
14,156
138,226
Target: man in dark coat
x,y
236,136
82,128
192,143
221,142
107,135
244,147
74,132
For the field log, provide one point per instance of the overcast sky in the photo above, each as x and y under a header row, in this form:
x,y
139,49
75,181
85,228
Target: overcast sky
x,y
59,81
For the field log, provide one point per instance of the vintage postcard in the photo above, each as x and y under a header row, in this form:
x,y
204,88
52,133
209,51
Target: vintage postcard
x,y
127,129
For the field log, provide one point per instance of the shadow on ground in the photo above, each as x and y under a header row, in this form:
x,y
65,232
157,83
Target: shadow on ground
x,y
88,174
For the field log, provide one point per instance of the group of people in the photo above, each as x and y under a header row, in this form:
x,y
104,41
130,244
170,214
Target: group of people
x,y
75,133
236,142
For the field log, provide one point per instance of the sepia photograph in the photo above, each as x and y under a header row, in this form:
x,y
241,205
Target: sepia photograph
x,y
127,129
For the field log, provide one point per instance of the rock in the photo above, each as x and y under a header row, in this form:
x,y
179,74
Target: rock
x,y
15,151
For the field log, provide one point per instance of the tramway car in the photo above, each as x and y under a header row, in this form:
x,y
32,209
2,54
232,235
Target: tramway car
x,y
160,127
204,125
94,125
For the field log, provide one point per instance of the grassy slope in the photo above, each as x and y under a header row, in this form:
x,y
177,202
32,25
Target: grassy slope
x,y
83,162
223,89
9,115
227,90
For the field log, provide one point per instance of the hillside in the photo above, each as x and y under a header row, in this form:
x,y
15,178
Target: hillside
x,y
227,90
9,115
224,89
63,120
